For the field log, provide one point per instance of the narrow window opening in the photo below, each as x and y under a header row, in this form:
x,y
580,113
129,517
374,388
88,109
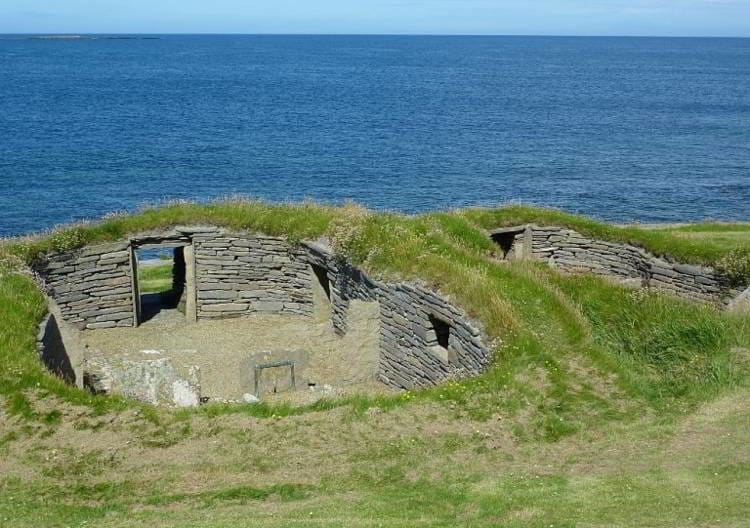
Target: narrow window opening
x,y
441,346
442,331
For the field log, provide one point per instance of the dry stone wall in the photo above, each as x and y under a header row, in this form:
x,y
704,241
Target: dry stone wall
x,y
571,251
93,286
411,354
424,339
242,274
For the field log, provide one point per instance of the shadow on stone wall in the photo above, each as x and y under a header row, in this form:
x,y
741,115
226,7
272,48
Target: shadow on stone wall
x,y
52,350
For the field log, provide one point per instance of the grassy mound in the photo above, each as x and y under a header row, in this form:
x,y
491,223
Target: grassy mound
x,y
578,356
703,243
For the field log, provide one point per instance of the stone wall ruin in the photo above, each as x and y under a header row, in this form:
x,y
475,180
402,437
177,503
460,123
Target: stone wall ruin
x,y
422,338
571,251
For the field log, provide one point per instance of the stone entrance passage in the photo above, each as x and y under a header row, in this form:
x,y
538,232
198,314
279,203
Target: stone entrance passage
x,y
163,279
321,292
160,282
510,241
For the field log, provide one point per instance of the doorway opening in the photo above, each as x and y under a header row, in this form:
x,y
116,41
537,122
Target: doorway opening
x,y
321,286
160,280
325,283
507,240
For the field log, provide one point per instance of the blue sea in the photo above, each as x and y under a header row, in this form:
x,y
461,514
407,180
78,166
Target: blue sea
x,y
649,129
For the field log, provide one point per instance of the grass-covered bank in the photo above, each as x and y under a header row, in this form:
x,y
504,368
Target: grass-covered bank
x,y
588,415
707,243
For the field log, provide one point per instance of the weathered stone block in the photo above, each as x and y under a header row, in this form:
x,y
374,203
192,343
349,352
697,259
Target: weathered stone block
x,y
272,307
225,307
217,294
99,325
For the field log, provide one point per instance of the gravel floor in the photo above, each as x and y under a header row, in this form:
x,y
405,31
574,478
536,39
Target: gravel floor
x,y
227,350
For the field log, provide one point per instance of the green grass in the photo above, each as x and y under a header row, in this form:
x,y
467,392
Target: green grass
x,y
583,368
683,473
297,221
155,278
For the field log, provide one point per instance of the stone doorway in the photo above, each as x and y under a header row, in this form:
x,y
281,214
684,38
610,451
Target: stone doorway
x,y
163,284
321,286
510,242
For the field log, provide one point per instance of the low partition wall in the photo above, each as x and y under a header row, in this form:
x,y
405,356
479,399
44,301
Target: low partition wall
x,y
423,337
571,251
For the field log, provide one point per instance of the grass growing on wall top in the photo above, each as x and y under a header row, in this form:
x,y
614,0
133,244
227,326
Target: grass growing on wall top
x,y
296,221
704,243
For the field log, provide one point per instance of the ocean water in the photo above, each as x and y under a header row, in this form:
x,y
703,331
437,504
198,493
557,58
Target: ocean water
x,y
619,128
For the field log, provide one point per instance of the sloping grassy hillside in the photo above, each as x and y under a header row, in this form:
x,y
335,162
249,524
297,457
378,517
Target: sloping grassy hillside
x,y
592,389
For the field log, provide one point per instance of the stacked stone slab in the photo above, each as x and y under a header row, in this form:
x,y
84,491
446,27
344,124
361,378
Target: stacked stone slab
x,y
92,286
410,355
569,250
244,274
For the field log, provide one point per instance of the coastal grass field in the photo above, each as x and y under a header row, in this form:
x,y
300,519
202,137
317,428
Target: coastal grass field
x,y
604,406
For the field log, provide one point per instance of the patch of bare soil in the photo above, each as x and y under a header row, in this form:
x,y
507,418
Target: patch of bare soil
x,y
718,427
226,351
201,453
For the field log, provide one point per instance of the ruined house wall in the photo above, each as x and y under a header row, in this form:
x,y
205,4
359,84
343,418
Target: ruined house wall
x,y
244,274
92,286
410,355
571,251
